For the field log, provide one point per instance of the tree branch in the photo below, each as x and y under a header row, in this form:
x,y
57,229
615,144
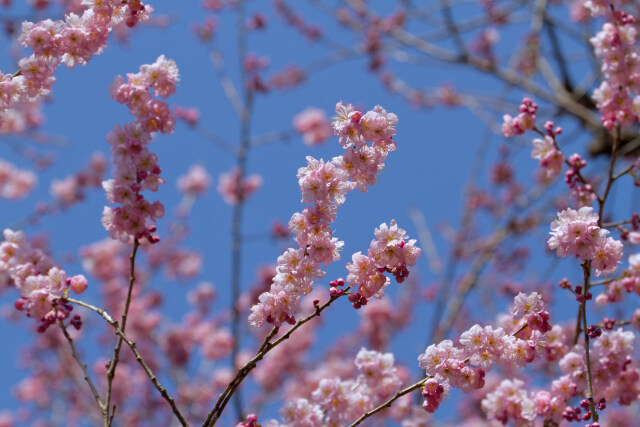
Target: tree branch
x,y
105,315
265,348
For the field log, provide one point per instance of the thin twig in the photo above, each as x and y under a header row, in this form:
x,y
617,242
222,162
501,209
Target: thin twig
x,y
85,372
265,348
615,224
238,208
426,241
163,392
113,363
389,402
614,152
226,82
604,281
217,140
586,268
624,172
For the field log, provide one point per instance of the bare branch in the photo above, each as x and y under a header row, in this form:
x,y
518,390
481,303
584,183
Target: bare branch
x,y
85,373
132,345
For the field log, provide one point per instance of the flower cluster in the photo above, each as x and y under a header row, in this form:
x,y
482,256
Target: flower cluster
x,y
41,283
136,168
235,188
392,251
510,401
336,401
582,192
546,151
73,42
616,44
614,376
325,185
451,366
531,308
15,183
524,121
577,233
314,126
629,283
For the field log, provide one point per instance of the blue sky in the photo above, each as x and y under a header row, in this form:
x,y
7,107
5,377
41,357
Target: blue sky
x,y
436,151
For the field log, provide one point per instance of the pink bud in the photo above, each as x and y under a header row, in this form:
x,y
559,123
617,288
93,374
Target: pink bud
x,y
79,284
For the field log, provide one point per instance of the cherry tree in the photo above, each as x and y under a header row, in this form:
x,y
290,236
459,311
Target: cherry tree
x,y
519,313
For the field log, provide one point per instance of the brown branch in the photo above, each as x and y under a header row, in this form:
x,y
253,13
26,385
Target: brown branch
x,y
508,76
163,392
265,348
85,372
614,152
586,268
467,283
389,402
623,172
415,386
113,363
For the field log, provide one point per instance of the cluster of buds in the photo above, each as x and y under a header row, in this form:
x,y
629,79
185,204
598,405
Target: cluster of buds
x,y
580,297
575,413
594,332
433,394
524,121
333,288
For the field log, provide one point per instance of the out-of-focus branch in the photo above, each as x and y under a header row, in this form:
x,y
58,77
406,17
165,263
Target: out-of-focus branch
x,y
426,241
468,282
508,76
227,84
216,140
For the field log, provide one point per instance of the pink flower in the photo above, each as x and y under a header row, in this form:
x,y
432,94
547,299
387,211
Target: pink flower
x,y
314,126
136,168
550,158
41,283
325,185
15,183
196,181
235,189
524,121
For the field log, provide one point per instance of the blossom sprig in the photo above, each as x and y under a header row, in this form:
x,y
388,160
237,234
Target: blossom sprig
x,y
336,401
195,182
577,233
531,309
618,97
72,41
136,168
523,122
614,374
42,284
392,251
324,185
464,367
